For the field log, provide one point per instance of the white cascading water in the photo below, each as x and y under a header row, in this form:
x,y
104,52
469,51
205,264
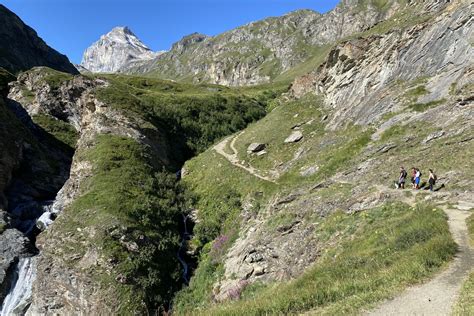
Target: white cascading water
x,y
19,297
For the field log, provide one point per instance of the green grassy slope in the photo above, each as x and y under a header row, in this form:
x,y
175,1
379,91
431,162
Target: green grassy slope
x,y
132,196
376,253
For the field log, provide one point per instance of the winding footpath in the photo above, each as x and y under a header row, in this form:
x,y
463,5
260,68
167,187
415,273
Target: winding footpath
x,y
438,296
233,159
433,298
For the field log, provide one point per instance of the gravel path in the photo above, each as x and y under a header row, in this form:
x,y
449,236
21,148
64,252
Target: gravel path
x,y
233,159
437,296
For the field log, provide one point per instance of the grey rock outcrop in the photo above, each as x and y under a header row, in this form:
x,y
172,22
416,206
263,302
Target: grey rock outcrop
x,y
74,101
362,79
116,51
260,51
358,84
22,49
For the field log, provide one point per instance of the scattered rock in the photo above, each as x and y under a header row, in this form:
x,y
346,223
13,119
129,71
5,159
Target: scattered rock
x,y
325,117
287,199
297,125
309,171
121,278
258,270
130,245
255,147
294,137
254,257
385,148
433,136
261,153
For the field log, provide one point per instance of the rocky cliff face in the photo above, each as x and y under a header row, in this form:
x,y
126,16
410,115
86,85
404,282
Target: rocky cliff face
x,y
22,49
32,169
116,51
407,53
261,51
73,101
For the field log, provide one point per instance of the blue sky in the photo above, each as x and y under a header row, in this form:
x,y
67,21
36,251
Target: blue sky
x,y
70,26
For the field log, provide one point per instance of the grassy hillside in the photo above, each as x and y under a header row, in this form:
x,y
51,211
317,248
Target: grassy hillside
x,y
193,116
131,199
127,201
374,254
336,173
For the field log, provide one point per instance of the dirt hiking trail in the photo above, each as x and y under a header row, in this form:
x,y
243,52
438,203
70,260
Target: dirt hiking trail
x,y
233,159
437,296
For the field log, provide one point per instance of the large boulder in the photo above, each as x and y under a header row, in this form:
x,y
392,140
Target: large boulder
x,y
255,147
296,136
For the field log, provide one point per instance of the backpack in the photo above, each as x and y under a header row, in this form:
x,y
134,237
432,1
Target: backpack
x,y
404,174
435,177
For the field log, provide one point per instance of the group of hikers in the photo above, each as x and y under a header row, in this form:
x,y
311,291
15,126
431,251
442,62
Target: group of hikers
x,y
415,179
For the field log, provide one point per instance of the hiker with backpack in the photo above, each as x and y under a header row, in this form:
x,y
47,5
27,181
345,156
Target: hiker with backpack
x,y
402,178
432,180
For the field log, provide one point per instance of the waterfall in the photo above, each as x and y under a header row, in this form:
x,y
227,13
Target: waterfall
x,y
182,248
19,297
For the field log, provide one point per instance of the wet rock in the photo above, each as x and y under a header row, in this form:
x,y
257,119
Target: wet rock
x,y
13,245
295,137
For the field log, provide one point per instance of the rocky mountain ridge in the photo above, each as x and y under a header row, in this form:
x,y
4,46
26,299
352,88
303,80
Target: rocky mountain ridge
x,y
116,51
258,52
264,51
23,49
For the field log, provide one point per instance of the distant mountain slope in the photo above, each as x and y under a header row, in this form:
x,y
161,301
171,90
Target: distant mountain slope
x,y
262,51
22,49
116,51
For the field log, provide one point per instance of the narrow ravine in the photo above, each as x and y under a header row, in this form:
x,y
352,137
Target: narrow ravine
x,y
182,250
31,223
19,296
